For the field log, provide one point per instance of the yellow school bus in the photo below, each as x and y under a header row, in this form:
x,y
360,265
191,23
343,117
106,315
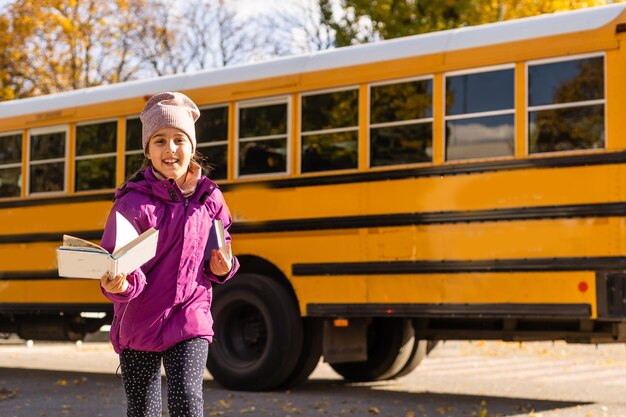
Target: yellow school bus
x,y
464,184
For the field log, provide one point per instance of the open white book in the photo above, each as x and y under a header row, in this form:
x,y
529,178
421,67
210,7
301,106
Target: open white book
x,y
79,258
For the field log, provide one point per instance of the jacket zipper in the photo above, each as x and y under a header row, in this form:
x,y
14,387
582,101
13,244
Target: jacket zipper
x,y
185,203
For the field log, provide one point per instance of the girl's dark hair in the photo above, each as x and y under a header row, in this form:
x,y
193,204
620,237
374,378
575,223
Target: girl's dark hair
x,y
197,157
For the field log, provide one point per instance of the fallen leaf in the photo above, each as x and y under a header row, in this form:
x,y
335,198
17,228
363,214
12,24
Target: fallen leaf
x,y
374,410
291,409
224,403
319,405
5,394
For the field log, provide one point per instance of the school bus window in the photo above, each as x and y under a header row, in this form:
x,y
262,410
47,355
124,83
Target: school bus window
x,y
330,130
10,165
96,145
401,124
480,115
566,105
262,139
47,162
212,137
134,150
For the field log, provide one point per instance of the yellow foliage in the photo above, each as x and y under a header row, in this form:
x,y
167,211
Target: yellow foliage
x,y
498,10
7,94
65,23
57,45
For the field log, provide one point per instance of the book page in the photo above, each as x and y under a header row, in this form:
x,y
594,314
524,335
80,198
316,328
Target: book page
x,y
80,263
76,242
148,235
124,231
137,253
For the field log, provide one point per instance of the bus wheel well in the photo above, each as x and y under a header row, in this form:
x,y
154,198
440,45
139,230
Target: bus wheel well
x,y
256,265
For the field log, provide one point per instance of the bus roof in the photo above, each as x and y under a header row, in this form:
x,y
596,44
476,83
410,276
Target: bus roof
x,y
424,44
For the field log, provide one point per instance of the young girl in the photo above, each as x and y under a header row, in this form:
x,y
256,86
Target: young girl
x,y
162,310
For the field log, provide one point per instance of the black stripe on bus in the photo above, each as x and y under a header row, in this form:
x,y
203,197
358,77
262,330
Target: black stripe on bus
x,y
370,176
616,263
445,170
571,264
426,218
28,275
70,199
483,310
380,220
49,237
70,307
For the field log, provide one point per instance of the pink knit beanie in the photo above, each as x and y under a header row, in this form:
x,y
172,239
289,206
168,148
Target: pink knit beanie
x,y
169,109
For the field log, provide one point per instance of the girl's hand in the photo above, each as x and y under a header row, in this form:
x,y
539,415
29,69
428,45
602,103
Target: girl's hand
x,y
116,285
219,264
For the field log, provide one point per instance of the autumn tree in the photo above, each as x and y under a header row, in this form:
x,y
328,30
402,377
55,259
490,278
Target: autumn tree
x,y
235,40
362,21
196,35
497,10
301,27
50,46
59,45
9,64
160,32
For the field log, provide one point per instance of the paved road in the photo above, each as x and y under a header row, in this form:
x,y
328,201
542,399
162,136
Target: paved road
x,y
458,379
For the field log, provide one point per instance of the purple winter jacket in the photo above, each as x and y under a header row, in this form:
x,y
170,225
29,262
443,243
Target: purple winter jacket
x,y
168,299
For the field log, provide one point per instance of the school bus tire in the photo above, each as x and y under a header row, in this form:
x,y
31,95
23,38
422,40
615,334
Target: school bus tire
x,y
389,349
257,328
310,354
418,353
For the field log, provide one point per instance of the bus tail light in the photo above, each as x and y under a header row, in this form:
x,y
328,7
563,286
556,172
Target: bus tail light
x,y
340,323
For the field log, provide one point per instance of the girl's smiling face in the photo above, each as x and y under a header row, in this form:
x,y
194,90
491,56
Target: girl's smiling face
x,y
170,152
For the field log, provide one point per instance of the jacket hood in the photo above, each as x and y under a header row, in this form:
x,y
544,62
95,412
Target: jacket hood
x,y
167,190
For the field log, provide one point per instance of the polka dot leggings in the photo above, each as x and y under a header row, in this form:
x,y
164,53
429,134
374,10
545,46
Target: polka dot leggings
x,y
184,369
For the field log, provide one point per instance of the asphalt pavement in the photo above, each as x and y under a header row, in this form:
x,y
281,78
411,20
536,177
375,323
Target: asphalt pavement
x,y
459,379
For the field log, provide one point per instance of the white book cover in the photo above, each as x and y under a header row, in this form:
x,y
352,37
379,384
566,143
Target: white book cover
x,y
216,239
79,258
220,236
